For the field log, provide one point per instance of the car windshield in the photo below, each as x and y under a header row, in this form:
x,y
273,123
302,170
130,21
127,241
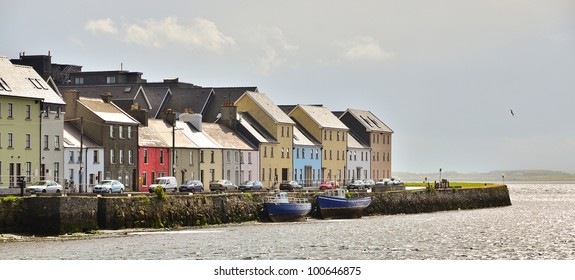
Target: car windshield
x,y
41,183
248,183
106,183
161,181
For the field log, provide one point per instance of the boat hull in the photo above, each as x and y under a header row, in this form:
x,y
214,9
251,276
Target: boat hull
x,y
332,207
288,212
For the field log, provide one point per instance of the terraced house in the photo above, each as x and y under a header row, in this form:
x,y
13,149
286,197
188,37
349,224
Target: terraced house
x,y
328,130
275,151
31,126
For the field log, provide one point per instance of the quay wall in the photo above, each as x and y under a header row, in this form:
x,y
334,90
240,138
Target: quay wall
x,y
56,215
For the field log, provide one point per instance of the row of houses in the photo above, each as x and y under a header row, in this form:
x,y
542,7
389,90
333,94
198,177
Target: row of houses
x,y
58,122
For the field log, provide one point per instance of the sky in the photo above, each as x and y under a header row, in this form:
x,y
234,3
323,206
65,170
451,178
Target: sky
x,y
444,75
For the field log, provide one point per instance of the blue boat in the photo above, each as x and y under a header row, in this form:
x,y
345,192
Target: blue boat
x,y
333,204
282,208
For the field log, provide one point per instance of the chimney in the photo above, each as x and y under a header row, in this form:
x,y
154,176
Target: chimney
x,y
192,118
71,97
106,97
170,117
229,115
141,115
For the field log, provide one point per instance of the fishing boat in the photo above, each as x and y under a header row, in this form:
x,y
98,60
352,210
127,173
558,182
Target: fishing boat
x,y
333,204
282,208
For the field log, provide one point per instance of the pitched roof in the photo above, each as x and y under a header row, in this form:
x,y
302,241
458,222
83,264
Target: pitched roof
x,y
24,81
219,96
268,106
72,138
302,139
368,120
225,137
108,112
256,131
354,143
323,117
148,136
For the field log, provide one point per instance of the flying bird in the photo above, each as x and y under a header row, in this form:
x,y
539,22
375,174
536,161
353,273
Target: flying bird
x,y
512,114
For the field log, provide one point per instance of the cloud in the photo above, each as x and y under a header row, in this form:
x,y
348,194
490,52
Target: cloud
x,y
273,49
202,34
105,25
364,49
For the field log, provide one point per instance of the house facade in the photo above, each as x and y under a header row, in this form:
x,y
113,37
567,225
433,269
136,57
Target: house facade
x,y
274,156
371,131
111,128
358,160
91,160
328,130
31,126
307,157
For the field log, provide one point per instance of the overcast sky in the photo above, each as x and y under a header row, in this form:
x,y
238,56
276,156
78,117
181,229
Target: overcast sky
x,y
443,75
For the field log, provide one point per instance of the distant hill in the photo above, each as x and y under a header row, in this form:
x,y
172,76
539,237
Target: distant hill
x,y
496,175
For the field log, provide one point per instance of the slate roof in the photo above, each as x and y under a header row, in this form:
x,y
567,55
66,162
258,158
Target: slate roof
x,y
257,134
369,120
323,117
108,112
24,81
218,97
150,137
72,138
300,138
225,137
353,142
268,106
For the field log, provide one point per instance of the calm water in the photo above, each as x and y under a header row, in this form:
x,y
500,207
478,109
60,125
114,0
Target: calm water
x,y
539,225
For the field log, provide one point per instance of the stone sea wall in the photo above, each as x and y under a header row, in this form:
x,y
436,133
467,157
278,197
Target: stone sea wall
x,y
55,215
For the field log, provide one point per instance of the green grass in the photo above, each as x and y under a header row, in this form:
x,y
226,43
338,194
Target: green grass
x,y
461,184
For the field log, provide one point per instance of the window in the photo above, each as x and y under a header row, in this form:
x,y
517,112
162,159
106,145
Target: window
x,y
79,80
303,153
297,153
201,156
130,157
272,152
28,170
46,112
324,135
4,85
337,137
212,156
45,142
121,156
58,111
282,152
111,131
10,110
330,134
56,171
120,132
288,129
36,83
110,80
144,179
28,145
71,156
241,158
129,132
191,157
316,153
265,151
96,157
263,174
282,131
249,158
228,158
145,156
112,159
287,153
27,112
162,157
57,142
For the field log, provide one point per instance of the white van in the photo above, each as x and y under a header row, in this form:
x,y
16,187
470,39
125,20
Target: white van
x,y
168,183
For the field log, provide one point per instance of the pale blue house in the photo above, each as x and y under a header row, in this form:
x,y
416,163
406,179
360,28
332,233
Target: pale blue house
x,y
306,158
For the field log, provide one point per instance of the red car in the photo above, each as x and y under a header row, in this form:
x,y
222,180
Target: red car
x,y
329,185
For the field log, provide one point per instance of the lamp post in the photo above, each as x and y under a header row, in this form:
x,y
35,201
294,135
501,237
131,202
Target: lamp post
x,y
503,178
440,175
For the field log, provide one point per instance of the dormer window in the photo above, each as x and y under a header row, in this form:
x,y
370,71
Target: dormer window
x,y
110,80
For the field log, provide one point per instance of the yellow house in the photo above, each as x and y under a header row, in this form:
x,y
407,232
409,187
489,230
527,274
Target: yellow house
x,y
274,156
327,129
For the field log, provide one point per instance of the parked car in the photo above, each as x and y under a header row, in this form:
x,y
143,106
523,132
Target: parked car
x,y
251,185
192,186
356,184
290,186
368,183
168,183
328,185
222,185
383,182
44,186
108,186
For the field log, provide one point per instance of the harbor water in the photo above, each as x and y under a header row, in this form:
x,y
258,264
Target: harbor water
x,y
539,225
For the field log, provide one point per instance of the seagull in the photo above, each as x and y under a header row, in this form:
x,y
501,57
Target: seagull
x,y
512,114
